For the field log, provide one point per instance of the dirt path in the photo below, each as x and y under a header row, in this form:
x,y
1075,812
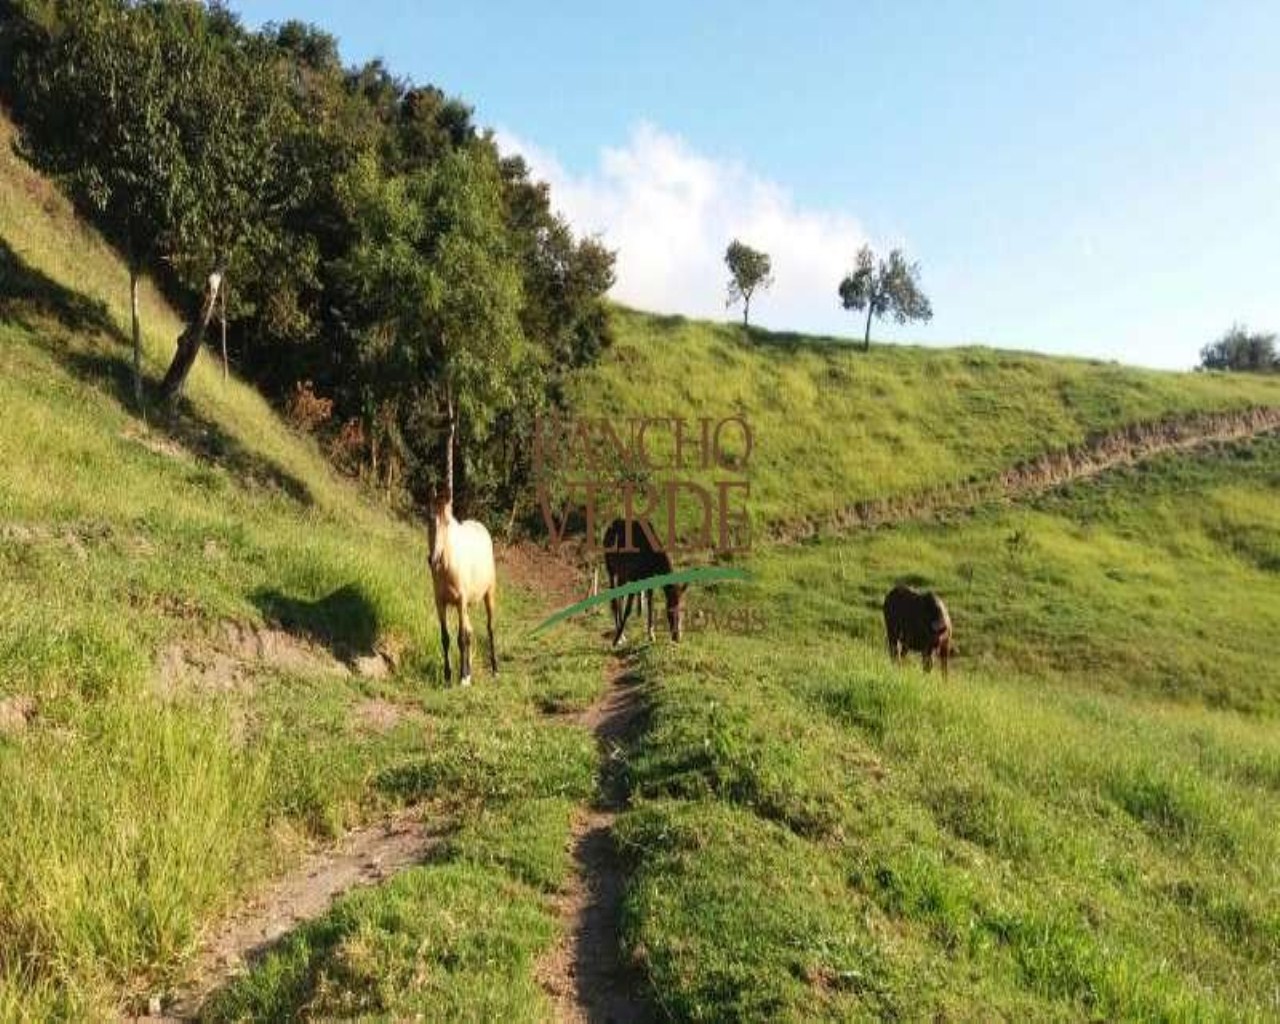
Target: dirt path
x,y
585,973
1126,446
365,856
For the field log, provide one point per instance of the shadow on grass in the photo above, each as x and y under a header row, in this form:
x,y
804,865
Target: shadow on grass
x,y
344,621
28,296
786,343
305,954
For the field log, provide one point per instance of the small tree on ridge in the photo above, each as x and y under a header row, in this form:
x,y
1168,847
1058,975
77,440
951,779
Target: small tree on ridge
x,y
885,286
750,271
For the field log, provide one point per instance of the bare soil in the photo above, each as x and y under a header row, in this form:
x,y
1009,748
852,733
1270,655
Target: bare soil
x,y
229,660
556,578
16,713
376,715
586,974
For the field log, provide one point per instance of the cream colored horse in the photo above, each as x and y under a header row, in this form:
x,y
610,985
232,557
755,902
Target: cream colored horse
x,y
462,573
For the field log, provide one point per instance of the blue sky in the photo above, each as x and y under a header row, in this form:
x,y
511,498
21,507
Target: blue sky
x,y
1103,179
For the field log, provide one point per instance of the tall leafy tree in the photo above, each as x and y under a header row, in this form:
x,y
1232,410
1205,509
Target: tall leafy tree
x,y
322,192
885,286
98,104
232,119
565,279
165,120
749,271
441,293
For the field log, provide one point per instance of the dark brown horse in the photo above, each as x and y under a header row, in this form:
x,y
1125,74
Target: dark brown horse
x,y
917,622
632,552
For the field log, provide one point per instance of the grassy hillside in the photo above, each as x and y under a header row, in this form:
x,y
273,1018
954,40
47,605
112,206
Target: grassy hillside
x,y
834,426
180,602
1069,827
1082,821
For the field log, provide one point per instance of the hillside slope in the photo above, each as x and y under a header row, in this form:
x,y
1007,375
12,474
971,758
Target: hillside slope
x,y
834,426
1082,821
198,620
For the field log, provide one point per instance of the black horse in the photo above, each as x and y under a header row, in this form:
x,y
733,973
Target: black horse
x,y
632,552
918,622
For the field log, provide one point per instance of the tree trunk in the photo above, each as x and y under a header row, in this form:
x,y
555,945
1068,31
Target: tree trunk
x,y
190,340
137,336
746,311
225,286
866,338
453,426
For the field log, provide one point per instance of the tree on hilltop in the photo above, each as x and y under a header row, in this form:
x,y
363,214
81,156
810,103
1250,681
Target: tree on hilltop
x,y
885,286
750,271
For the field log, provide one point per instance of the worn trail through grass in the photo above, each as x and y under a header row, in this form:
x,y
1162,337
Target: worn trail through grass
x,y
1126,446
585,973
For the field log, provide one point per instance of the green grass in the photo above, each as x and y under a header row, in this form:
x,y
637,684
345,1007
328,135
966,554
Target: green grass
x,y
137,809
1083,821
833,425
443,942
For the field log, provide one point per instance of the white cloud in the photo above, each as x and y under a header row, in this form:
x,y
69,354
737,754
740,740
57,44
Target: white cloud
x,y
670,212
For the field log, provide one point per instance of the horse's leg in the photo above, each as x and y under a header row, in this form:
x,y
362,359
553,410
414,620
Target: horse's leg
x,y
616,606
464,642
489,599
443,611
648,604
622,621
927,657
944,655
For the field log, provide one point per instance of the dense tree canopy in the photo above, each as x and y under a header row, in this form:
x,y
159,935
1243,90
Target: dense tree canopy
x,y
385,263
886,286
164,121
1242,350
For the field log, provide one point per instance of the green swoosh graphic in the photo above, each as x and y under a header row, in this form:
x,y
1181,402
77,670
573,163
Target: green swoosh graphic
x,y
703,574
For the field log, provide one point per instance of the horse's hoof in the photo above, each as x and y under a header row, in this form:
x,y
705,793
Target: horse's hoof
x,y
464,681
619,642
650,635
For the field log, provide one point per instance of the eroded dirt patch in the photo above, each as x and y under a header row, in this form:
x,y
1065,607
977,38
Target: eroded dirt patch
x,y
556,579
157,444
230,659
74,537
376,715
16,713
